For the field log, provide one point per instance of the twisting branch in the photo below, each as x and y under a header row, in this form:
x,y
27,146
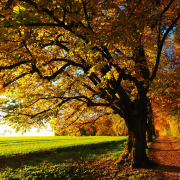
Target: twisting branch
x,y
166,8
25,44
37,25
35,69
14,65
88,87
89,122
45,111
86,15
15,79
161,43
132,13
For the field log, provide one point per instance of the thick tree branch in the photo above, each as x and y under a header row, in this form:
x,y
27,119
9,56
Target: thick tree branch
x,y
45,111
166,8
123,75
86,15
25,44
88,87
15,79
35,69
119,111
70,62
161,43
88,100
14,65
132,13
34,115
35,25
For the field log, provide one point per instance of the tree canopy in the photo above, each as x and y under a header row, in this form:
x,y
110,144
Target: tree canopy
x,y
60,61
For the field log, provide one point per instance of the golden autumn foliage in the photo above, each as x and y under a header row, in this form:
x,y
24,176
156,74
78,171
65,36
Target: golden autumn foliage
x,y
72,62
165,94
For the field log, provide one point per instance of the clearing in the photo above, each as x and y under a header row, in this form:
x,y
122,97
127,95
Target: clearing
x,y
84,158
24,145
94,160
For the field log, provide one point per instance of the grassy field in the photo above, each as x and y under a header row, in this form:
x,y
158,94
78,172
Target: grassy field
x,y
21,145
66,158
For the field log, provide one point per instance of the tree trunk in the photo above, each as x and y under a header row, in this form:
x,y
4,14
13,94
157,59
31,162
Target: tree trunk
x,y
150,124
134,152
145,125
149,130
153,128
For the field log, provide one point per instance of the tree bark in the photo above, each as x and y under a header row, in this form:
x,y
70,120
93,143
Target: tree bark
x,y
153,128
135,150
145,125
149,130
150,124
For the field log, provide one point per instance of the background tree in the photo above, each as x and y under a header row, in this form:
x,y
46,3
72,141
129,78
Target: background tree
x,y
150,122
63,57
164,91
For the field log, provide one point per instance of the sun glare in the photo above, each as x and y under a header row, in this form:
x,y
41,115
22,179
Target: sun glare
x,y
33,132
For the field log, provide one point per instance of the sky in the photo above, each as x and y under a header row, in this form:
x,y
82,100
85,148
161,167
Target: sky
x,y
33,132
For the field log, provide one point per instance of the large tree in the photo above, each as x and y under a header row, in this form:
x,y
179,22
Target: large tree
x,y
66,57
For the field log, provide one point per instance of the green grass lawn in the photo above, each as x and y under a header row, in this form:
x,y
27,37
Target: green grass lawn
x,y
21,145
66,158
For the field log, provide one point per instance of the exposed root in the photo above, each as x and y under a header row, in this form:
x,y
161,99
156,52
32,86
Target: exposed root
x,y
144,162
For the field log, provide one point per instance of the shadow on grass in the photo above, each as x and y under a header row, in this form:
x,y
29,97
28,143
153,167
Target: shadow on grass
x,y
61,155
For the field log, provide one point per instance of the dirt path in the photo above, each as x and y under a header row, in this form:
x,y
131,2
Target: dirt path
x,y
165,152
